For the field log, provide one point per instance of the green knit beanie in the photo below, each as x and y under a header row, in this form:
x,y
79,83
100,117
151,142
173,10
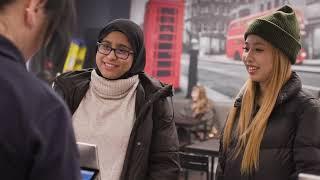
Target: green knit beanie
x,y
281,29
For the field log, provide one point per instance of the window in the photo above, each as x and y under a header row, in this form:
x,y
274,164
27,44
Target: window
x,y
204,9
164,64
276,3
168,11
167,37
166,19
269,5
214,25
244,12
308,2
218,10
163,73
261,7
164,55
166,28
203,27
165,46
226,11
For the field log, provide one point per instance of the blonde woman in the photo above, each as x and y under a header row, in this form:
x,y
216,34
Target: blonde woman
x,y
200,102
272,132
200,108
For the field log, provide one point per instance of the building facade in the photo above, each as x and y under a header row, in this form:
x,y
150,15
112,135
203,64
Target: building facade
x,y
207,21
313,28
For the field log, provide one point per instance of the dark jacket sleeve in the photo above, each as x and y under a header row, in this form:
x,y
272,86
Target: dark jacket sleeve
x,y
307,140
57,155
221,161
72,87
164,158
57,88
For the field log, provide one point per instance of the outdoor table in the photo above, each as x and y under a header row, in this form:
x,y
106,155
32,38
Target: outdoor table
x,y
191,124
208,148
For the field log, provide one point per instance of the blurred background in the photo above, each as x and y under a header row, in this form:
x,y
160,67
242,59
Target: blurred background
x,y
188,42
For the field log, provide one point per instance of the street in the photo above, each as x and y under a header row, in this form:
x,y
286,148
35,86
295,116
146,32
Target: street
x,y
227,76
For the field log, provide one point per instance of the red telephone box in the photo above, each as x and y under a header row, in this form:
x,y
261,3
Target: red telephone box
x,y
163,29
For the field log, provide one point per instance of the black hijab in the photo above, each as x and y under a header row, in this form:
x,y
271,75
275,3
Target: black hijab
x,y
135,37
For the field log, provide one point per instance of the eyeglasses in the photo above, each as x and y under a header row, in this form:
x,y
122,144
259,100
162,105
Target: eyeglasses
x,y
119,53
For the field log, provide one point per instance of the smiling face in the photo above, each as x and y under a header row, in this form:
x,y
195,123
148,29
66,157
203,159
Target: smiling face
x,y
258,58
110,66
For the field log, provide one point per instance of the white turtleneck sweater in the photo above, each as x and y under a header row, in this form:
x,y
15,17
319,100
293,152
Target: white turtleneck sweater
x,y
105,117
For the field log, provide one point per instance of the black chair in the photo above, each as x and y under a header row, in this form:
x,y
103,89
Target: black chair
x,y
194,162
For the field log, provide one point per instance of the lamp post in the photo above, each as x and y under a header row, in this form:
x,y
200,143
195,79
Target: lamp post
x,y
193,66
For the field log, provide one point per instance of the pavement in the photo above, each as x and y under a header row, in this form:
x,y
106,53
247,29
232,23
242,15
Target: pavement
x,y
311,62
308,65
212,94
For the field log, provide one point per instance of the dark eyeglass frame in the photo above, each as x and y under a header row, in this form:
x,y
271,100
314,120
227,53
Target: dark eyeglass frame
x,y
115,50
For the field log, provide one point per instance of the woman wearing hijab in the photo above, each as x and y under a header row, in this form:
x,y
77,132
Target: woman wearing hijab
x,y
122,110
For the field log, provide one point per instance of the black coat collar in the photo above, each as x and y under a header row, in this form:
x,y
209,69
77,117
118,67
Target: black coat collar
x,y
289,89
9,50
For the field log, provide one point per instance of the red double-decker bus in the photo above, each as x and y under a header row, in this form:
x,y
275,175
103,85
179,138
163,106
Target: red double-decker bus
x,y
237,28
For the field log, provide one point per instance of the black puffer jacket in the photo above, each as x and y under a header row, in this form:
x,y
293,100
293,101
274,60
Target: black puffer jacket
x,y
153,145
291,143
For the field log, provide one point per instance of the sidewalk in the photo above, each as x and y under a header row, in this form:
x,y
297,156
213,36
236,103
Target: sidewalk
x,y
223,57
212,94
311,66
311,62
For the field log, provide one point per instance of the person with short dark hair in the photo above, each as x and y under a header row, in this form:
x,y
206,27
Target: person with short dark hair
x,y
272,131
37,141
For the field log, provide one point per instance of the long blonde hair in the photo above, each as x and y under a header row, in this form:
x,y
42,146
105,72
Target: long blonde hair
x,y
250,129
202,103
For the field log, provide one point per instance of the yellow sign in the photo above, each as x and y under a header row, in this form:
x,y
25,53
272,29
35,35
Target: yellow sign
x,y
75,57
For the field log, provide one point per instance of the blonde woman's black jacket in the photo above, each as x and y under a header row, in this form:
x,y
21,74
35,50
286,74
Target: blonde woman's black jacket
x,y
153,145
291,142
